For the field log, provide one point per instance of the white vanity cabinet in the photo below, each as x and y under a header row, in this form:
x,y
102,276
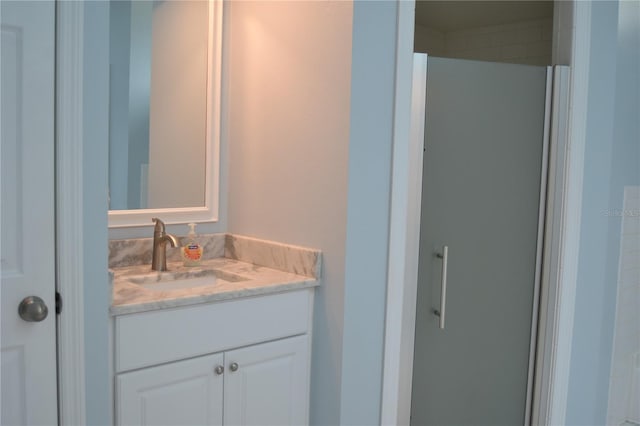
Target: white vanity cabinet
x,y
187,392
269,385
237,362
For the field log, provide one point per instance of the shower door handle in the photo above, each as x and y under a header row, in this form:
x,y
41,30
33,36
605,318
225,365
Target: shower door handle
x,y
443,285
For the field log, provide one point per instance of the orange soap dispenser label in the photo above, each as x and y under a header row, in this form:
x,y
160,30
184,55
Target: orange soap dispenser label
x,y
192,252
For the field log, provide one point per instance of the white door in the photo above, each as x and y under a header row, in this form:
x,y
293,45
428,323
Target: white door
x,y
267,384
27,213
484,132
178,394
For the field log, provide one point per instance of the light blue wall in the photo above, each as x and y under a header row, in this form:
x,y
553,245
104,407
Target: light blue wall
x,y
120,25
139,94
369,195
612,160
95,182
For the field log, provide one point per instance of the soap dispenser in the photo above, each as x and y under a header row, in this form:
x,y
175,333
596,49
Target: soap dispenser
x,y
192,250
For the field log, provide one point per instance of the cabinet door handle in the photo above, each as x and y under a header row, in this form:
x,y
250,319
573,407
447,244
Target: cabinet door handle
x,y
443,291
219,370
233,366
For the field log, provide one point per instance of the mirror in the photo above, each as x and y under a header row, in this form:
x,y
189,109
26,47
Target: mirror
x,y
164,107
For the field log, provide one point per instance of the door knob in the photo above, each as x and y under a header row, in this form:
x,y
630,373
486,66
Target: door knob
x,y
219,370
234,366
33,309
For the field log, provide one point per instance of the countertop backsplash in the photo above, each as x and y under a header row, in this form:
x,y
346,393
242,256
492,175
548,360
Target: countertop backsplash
x,y
284,257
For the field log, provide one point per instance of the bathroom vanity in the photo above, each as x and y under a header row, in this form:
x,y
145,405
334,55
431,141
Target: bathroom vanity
x,y
227,342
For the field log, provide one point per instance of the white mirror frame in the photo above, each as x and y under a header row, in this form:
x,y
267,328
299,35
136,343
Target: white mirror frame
x,y
208,212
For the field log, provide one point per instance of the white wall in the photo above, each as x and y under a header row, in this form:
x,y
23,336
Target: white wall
x,y
288,81
612,161
526,42
310,130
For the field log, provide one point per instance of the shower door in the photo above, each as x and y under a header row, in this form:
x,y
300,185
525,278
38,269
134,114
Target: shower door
x,y
484,132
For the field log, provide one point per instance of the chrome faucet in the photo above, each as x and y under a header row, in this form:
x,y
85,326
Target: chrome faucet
x,y
160,239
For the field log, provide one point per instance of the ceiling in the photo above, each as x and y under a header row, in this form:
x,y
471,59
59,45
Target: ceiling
x,y
455,15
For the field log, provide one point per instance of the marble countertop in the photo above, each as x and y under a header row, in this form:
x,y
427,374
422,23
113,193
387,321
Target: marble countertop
x,y
253,280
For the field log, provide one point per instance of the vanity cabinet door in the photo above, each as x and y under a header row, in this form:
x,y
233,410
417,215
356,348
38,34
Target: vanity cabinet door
x,y
180,393
268,384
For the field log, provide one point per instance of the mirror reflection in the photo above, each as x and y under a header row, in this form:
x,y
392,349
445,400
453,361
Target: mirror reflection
x,y
158,104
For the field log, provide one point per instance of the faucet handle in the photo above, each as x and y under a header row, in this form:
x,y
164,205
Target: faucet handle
x,y
159,228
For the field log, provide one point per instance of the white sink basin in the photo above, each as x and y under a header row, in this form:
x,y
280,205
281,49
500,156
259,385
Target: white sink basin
x,y
178,280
